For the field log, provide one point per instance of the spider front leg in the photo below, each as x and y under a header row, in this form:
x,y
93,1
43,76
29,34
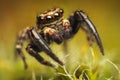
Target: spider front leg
x,y
80,19
41,44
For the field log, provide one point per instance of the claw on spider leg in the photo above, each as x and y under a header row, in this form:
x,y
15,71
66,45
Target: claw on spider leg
x,y
89,28
54,57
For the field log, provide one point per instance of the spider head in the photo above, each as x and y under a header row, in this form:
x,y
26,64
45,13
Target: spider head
x,y
49,16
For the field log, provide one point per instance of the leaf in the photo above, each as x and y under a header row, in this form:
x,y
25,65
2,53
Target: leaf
x,y
80,72
61,77
60,69
62,73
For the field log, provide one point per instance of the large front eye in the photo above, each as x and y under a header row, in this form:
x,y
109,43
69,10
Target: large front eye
x,y
49,18
56,15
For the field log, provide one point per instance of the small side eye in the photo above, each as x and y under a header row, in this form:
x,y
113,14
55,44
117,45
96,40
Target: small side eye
x,y
61,11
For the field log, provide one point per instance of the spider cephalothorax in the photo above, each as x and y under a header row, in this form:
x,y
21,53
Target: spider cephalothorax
x,y
51,27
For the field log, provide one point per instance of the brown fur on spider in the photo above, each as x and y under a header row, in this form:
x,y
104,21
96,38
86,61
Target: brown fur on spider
x,y
51,27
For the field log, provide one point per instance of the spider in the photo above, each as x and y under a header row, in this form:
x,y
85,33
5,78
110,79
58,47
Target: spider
x,y
51,27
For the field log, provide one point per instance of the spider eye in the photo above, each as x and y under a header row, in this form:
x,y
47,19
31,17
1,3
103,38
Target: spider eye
x,y
40,19
49,18
61,11
56,15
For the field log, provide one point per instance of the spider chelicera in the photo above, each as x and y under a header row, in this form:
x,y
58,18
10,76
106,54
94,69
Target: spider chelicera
x,y
51,27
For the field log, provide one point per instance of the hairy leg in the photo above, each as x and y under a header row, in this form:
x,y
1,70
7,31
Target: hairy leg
x,y
35,54
22,36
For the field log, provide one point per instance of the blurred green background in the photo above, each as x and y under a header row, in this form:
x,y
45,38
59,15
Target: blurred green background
x,y
15,15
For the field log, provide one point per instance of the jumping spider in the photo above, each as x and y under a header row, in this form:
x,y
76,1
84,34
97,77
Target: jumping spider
x,y
51,27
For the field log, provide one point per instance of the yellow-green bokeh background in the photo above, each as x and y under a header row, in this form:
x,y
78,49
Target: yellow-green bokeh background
x,y
16,15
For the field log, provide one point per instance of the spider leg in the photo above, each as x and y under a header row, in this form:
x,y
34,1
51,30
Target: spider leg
x,y
80,19
38,40
31,50
22,36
